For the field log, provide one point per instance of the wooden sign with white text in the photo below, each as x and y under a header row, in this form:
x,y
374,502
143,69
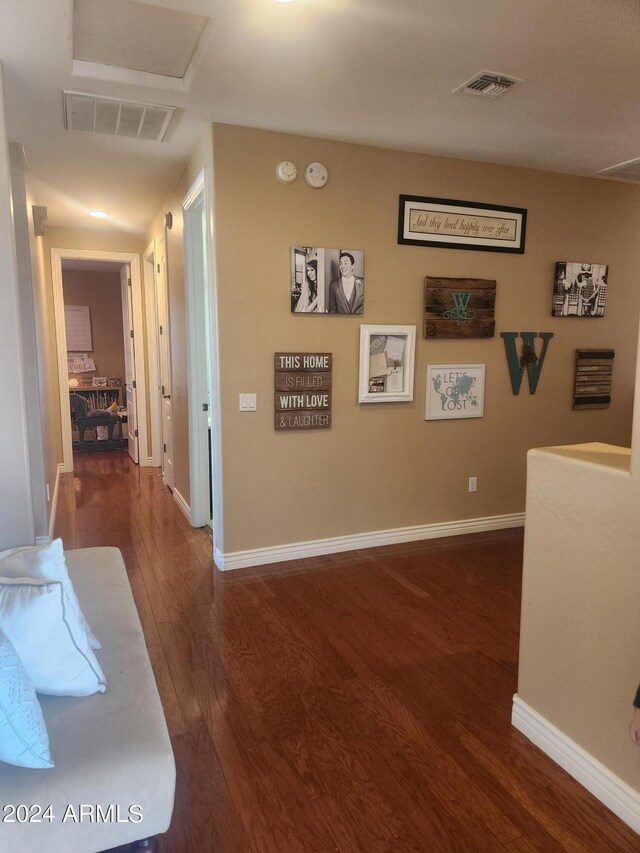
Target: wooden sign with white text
x,y
302,390
594,373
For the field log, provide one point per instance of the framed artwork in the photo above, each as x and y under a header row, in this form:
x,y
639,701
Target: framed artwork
x,y
77,324
449,224
459,307
579,290
326,281
387,355
454,391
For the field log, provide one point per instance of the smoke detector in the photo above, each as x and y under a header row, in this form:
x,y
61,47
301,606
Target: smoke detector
x,y
628,171
487,84
97,114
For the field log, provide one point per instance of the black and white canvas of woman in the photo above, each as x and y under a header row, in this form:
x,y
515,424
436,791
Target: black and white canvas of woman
x,y
307,280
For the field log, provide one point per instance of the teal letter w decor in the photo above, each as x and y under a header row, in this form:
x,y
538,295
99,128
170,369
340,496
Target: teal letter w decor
x,y
528,359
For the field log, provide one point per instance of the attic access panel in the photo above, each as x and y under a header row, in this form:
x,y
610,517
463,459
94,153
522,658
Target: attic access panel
x,y
136,36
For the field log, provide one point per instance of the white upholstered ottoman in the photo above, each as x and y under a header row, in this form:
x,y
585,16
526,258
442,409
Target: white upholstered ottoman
x,y
114,777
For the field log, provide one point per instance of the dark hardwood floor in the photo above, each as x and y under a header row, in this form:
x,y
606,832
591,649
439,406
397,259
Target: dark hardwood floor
x,y
354,702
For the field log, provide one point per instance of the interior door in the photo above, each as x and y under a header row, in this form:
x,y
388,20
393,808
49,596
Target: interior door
x,y
198,354
129,362
164,349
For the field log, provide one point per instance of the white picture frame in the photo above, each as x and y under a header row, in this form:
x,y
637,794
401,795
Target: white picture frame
x,y
454,391
387,357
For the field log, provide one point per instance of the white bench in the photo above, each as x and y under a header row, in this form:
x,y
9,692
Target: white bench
x,y
114,777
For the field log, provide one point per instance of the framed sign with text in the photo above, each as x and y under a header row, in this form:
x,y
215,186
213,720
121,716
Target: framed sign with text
x,y
454,391
449,224
303,390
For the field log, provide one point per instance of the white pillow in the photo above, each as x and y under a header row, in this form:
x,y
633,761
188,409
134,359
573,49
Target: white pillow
x,y
23,734
49,640
45,562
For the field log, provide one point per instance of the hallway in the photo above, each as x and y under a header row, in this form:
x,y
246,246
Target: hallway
x,y
353,702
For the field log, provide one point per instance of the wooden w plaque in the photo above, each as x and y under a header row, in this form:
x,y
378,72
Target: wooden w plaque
x,y
459,307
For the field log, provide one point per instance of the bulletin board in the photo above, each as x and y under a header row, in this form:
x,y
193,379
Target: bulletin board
x,y
77,322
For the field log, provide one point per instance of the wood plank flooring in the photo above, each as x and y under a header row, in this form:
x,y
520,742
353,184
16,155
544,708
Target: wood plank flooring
x,y
354,702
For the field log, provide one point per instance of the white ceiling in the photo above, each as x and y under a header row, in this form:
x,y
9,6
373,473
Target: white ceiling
x,y
370,71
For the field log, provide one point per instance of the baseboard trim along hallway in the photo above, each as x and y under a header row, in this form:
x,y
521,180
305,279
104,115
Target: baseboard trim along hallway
x,y
184,506
317,547
594,776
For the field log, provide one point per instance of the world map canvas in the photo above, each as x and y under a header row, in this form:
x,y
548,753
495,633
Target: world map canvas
x,y
454,391
459,307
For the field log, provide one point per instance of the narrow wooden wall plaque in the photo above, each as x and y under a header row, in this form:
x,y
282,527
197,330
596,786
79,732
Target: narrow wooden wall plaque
x,y
594,372
303,390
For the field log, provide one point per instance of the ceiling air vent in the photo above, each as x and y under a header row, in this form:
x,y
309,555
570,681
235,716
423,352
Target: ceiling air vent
x,y
486,84
96,114
627,171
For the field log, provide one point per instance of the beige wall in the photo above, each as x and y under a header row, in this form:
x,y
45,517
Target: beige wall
x,y
100,291
92,239
580,633
16,507
43,467
382,466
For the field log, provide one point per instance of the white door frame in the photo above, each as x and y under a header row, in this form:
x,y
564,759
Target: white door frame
x,y
196,251
150,302
130,384
165,370
57,256
204,185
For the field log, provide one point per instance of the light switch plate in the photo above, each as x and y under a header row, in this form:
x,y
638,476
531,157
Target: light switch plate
x,y
247,402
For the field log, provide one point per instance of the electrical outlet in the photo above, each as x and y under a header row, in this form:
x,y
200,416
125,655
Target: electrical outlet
x,y
473,484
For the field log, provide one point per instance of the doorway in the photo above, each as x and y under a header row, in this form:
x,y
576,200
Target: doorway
x,y
159,357
200,330
103,378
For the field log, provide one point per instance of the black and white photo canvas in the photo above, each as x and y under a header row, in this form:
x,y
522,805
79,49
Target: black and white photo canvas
x,y
327,281
307,280
580,290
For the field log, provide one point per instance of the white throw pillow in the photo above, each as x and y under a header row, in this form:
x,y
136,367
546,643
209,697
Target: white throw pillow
x,y
48,638
23,734
45,562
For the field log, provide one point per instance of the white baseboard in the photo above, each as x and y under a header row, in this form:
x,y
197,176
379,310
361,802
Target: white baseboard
x,y
184,506
317,547
623,800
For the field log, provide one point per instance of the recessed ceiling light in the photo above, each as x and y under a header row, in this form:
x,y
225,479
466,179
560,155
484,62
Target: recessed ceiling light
x,y
99,214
